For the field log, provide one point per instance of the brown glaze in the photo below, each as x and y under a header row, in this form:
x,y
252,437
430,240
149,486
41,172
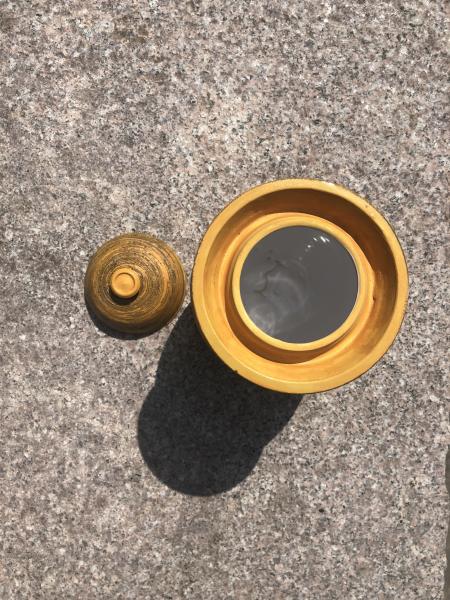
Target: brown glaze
x,y
160,289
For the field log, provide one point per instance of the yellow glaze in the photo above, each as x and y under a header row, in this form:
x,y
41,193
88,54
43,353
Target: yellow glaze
x,y
337,358
135,283
125,282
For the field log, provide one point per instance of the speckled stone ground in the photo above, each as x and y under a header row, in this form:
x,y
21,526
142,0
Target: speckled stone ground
x,y
151,115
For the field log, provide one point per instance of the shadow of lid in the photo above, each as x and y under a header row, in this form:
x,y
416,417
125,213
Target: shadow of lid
x,y
202,428
101,326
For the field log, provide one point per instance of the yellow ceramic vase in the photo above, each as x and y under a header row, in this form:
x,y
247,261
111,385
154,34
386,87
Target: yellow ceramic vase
x,y
339,356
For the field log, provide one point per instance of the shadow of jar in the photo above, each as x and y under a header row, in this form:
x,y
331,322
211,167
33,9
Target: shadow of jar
x,y
202,428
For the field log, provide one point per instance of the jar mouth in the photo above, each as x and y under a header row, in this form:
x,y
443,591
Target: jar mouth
x,y
240,305
298,284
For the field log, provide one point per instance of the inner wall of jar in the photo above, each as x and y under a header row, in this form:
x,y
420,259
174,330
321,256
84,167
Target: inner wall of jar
x,y
299,284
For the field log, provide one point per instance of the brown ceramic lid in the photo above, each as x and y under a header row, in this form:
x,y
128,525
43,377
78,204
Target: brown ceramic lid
x,y
135,283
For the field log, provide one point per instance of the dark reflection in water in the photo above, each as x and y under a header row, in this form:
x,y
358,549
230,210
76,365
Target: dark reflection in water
x,y
299,284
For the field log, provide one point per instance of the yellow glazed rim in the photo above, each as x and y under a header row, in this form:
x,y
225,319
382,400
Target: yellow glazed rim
x,y
323,364
328,227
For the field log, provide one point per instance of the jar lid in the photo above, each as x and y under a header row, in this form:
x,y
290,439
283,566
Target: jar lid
x,y
135,283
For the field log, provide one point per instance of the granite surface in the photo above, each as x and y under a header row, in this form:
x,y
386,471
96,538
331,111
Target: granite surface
x,y
144,468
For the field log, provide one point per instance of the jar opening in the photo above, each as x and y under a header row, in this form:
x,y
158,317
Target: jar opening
x,y
299,284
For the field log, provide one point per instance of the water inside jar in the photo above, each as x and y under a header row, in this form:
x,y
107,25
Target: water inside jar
x,y
299,284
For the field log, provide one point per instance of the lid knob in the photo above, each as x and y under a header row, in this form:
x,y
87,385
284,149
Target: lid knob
x,y
125,282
